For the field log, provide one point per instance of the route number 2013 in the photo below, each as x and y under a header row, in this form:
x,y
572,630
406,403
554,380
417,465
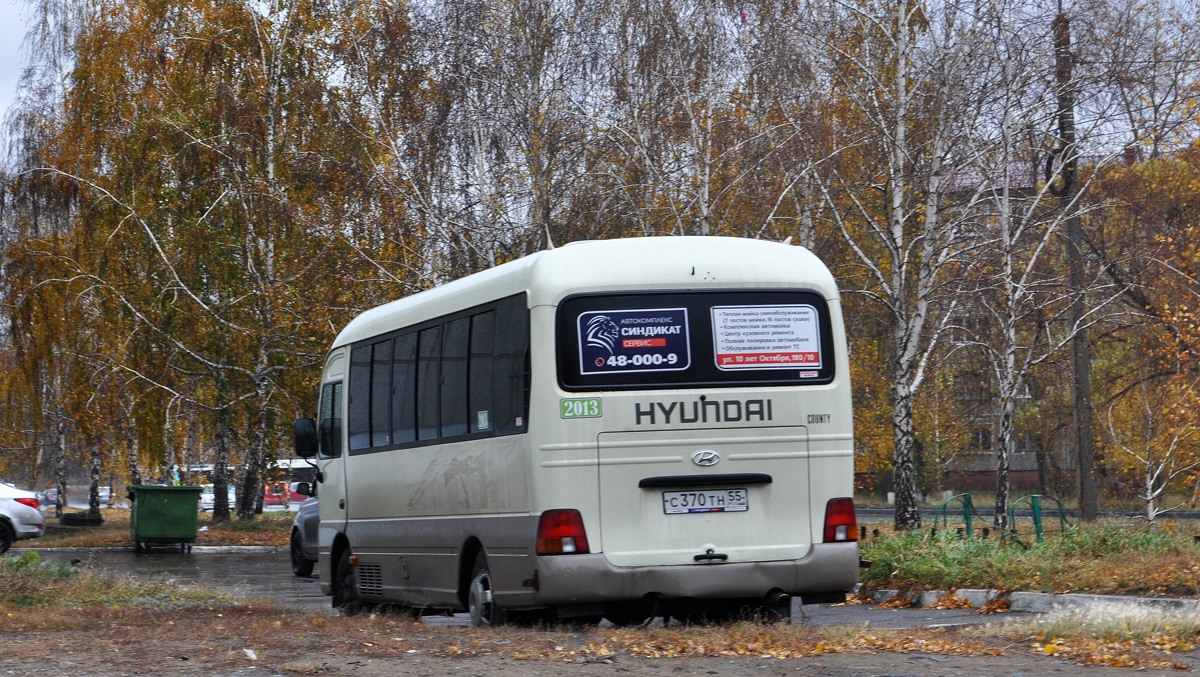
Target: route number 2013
x,y
588,407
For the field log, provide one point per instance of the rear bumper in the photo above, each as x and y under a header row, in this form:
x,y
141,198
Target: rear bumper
x,y
28,528
25,531
583,579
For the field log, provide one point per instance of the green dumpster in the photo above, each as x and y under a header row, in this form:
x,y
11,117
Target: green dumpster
x,y
163,516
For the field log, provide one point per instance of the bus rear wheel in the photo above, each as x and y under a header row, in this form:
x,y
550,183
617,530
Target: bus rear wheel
x,y
480,599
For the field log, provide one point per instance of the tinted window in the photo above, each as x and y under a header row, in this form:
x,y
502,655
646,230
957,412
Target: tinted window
x,y
428,384
693,340
360,398
460,376
454,377
510,395
381,394
404,389
329,430
479,378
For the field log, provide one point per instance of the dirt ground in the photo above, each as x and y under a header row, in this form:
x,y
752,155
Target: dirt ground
x,y
280,643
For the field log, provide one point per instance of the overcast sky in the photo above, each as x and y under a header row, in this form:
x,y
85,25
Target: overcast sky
x,y
12,32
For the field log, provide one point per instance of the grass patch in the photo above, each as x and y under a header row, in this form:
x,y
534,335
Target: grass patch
x,y
270,528
37,594
1102,559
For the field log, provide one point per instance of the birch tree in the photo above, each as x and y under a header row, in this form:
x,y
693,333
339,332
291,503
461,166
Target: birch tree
x,y
489,168
907,72
1143,57
1153,428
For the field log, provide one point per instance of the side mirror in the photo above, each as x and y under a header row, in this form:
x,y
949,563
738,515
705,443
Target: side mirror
x,y
304,437
305,489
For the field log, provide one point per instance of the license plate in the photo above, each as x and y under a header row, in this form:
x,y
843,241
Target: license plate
x,y
707,500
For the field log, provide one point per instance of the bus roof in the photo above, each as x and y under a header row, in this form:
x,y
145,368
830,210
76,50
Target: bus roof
x,y
683,262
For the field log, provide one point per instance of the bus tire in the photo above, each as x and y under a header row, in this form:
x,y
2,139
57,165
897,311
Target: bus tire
x,y
480,600
345,592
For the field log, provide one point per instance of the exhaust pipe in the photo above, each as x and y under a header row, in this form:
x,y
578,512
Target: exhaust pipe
x,y
777,606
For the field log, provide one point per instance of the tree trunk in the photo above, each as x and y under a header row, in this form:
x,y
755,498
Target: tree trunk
x,y
1150,494
220,473
1081,364
58,454
250,502
908,514
1004,449
131,447
94,483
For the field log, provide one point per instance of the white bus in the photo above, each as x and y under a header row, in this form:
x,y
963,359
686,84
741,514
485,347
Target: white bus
x,y
621,429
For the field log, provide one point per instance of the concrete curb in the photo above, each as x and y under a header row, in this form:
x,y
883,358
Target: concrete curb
x,y
1042,602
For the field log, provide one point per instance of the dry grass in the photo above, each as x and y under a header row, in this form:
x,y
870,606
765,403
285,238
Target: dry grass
x,y
1115,622
269,528
58,595
1110,633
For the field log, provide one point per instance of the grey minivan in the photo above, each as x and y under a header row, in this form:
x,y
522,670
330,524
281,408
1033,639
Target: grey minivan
x,y
304,531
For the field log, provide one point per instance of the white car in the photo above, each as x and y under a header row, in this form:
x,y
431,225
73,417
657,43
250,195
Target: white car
x,y
20,517
208,498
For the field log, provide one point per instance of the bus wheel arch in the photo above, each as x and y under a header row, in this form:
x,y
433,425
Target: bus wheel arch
x,y
466,563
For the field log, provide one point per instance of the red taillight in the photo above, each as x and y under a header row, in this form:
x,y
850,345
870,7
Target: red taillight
x,y
560,532
840,522
31,502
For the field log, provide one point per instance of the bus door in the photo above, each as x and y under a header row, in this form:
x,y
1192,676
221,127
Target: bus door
x,y
331,452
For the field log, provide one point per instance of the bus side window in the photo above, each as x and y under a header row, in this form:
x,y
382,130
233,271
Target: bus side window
x,y
329,432
404,389
509,368
454,377
483,341
360,398
428,383
381,394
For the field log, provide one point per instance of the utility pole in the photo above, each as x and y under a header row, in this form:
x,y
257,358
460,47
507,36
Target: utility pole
x,y
1081,362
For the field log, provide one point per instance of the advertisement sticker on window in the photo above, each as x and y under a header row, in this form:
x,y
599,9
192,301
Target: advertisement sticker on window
x,y
766,337
646,339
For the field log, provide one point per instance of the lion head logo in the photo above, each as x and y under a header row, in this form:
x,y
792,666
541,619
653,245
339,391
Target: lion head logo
x,y
602,332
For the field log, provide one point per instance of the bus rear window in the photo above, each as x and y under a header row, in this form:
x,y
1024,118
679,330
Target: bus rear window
x,y
693,339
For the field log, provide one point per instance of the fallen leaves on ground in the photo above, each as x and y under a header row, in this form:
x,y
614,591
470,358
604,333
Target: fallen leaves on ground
x,y
1126,654
897,602
950,601
996,606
